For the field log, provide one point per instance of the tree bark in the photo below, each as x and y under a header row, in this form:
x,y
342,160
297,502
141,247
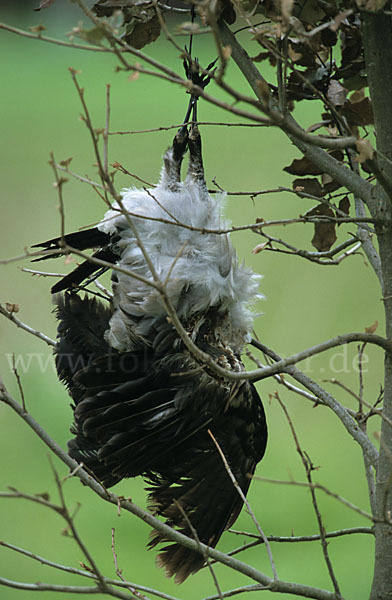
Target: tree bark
x,y
377,33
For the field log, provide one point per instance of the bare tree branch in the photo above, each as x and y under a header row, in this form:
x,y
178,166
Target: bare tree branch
x,y
308,466
246,502
326,162
318,486
72,570
128,505
11,317
325,398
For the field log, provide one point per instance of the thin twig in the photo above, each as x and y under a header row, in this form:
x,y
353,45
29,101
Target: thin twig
x,y
328,400
197,539
369,469
51,587
59,185
373,410
135,593
308,466
42,273
15,371
321,258
319,486
176,536
28,254
84,573
66,169
106,131
57,42
246,502
294,539
75,534
178,125
18,323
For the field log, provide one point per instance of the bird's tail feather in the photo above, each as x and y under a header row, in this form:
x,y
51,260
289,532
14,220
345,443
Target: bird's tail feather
x,y
205,501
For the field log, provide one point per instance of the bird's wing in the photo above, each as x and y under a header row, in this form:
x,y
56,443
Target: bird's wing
x,y
204,501
149,412
154,420
81,240
136,412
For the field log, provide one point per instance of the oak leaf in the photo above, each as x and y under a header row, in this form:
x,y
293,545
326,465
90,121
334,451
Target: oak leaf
x,y
324,233
144,33
310,186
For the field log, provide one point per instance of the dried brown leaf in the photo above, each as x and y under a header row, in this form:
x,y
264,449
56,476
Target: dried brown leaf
x,y
144,33
324,233
357,96
344,206
352,67
263,90
364,149
329,185
310,186
358,111
372,328
336,93
261,56
302,166
293,55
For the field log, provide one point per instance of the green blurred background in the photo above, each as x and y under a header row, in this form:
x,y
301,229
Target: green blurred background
x,y
304,304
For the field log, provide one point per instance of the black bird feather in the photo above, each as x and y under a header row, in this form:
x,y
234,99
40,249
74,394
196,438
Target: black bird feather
x,y
143,405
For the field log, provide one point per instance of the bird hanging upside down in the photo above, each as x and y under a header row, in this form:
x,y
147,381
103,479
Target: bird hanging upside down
x,y
143,404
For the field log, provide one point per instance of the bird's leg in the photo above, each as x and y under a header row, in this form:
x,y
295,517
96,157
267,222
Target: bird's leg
x,y
196,168
173,158
180,142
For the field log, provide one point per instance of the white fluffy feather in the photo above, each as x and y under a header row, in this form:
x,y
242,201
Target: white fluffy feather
x,y
204,268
